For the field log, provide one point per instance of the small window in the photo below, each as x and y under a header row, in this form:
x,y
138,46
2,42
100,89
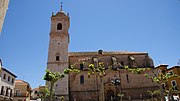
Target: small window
x,y
12,80
59,26
81,66
4,77
57,58
18,92
8,78
127,77
81,79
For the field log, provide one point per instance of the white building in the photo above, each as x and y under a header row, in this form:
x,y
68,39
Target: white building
x,y
7,83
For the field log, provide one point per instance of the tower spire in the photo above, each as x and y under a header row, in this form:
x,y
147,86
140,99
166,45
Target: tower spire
x,y
61,6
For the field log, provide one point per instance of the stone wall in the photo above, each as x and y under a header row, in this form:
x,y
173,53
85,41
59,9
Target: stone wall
x,y
133,86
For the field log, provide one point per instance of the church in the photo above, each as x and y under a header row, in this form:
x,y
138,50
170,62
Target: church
x,y
80,87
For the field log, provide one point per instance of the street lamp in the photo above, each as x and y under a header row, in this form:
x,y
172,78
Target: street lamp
x,y
116,83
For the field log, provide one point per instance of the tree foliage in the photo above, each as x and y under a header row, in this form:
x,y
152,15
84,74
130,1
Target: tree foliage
x,y
43,92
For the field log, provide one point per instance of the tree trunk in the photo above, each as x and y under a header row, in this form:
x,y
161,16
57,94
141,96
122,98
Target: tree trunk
x,y
51,88
121,98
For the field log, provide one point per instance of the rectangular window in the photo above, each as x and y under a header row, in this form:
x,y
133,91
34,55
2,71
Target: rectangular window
x,y
127,77
8,78
81,66
12,80
57,58
4,77
18,92
81,79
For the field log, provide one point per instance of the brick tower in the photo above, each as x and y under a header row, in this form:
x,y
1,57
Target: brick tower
x,y
58,51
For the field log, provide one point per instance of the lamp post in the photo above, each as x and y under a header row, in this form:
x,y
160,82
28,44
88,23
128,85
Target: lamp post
x,y
116,82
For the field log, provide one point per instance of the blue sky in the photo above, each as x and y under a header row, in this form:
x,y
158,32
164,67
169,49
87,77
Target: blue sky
x,y
151,26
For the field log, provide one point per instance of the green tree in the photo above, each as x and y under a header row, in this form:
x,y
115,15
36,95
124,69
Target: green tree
x,y
52,77
43,92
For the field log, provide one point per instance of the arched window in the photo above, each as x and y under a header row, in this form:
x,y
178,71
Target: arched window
x,y
59,26
2,90
7,91
81,79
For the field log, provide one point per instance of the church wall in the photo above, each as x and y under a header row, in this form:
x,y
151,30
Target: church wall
x,y
83,91
134,87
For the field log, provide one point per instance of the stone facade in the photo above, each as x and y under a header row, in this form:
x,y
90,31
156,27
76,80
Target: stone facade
x,y
133,86
58,51
81,87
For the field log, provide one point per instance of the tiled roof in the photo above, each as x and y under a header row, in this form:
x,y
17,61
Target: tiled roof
x,y
36,89
22,81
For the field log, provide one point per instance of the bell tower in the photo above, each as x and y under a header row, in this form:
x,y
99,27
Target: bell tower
x,y
58,51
